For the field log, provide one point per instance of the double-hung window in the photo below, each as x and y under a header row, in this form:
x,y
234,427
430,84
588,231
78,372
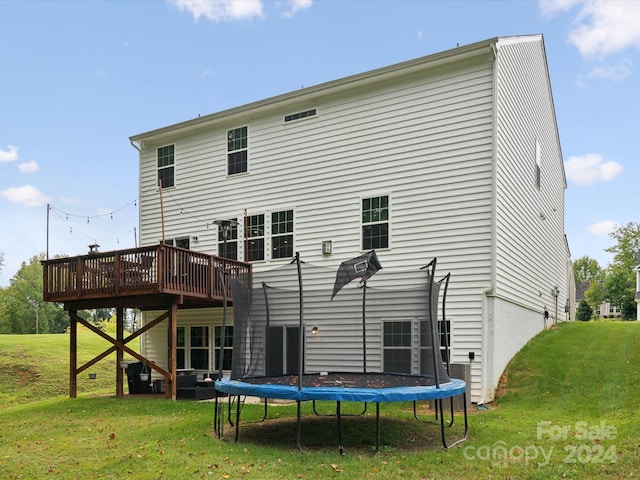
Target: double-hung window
x,y
282,234
227,347
181,348
445,338
199,339
192,347
166,161
397,347
228,248
375,222
255,237
237,150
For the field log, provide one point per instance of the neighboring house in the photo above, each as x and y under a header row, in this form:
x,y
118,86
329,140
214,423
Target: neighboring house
x,y
455,155
604,310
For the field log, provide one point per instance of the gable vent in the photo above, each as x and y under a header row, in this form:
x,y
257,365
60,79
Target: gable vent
x,y
300,115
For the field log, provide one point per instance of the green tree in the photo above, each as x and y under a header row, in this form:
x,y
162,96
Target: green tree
x,y
620,288
586,269
620,280
595,294
628,243
22,308
584,312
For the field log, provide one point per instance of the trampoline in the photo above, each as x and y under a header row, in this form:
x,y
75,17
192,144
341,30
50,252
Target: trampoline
x,y
271,304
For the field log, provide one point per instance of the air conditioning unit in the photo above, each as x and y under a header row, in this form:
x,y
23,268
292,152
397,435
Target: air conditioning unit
x,y
461,371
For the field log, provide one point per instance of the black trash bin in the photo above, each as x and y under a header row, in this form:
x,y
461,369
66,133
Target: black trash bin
x,y
136,385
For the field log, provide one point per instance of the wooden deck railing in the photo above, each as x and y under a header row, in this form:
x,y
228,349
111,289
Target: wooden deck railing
x,y
159,269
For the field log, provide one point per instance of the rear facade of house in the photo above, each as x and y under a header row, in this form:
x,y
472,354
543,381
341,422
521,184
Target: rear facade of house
x,y
455,155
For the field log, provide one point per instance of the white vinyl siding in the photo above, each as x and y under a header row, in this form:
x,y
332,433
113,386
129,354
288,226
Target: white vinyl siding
x,y
530,220
531,254
434,156
427,137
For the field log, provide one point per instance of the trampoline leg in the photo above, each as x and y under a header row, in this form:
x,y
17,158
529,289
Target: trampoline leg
x,y
264,415
216,431
218,418
299,429
452,411
466,424
237,419
377,427
340,446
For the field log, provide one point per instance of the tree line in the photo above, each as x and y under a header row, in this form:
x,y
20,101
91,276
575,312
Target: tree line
x,y
23,310
615,283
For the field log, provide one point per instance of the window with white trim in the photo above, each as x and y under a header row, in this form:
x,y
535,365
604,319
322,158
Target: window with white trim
x,y
192,347
228,248
375,222
397,347
181,348
227,347
282,234
255,237
199,343
445,340
237,150
166,163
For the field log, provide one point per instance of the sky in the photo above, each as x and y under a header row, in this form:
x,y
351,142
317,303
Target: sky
x,y
78,78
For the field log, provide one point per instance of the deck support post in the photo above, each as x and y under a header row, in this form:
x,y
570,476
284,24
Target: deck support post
x,y
73,353
172,389
119,351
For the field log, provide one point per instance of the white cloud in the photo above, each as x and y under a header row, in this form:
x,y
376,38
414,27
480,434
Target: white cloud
x,y
602,228
28,167
549,8
297,5
69,200
10,154
221,10
26,195
611,72
601,27
591,169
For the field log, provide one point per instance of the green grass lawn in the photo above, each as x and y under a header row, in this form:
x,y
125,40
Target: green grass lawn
x,y
568,409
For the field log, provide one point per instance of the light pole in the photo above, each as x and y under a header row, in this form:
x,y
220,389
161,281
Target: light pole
x,y
225,228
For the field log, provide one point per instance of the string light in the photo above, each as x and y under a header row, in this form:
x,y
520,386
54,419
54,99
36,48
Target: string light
x,y
67,216
89,217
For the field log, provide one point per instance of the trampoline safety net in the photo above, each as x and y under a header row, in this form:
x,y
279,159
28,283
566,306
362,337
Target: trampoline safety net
x,y
302,318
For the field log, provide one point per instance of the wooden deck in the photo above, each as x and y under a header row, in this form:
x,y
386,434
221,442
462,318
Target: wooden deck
x,y
145,278
159,277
